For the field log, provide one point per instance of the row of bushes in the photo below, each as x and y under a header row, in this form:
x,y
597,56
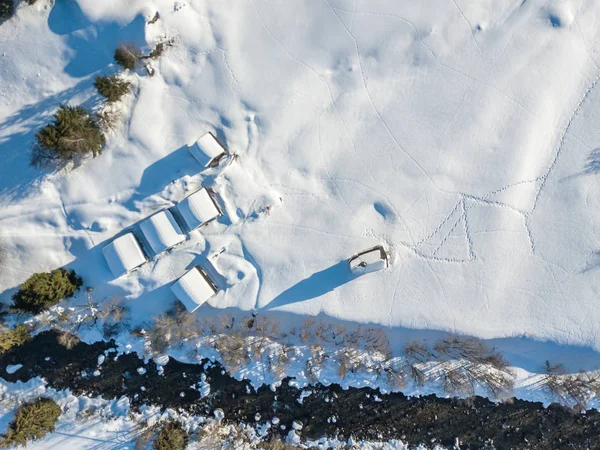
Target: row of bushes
x,y
461,364
77,131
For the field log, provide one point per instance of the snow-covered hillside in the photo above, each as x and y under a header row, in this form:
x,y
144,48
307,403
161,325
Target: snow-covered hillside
x,y
460,134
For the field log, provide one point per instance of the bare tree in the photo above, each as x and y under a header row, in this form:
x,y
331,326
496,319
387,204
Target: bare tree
x,y
572,390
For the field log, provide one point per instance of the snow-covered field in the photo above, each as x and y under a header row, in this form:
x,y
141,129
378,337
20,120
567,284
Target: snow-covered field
x,y
461,134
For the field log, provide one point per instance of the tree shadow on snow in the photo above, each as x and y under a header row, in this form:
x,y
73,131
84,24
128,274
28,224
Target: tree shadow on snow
x,y
592,166
318,284
93,44
18,176
593,263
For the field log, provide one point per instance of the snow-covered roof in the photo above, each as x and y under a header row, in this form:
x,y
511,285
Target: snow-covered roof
x,y
198,209
207,150
369,260
161,231
123,254
193,289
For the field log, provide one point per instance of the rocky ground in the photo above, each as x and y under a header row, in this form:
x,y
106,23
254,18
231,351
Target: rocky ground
x,y
329,411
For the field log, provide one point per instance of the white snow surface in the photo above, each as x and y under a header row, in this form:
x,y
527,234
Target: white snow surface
x,y
198,209
123,254
162,232
192,289
461,134
206,149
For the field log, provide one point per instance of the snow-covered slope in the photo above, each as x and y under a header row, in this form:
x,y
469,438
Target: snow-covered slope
x,y
460,134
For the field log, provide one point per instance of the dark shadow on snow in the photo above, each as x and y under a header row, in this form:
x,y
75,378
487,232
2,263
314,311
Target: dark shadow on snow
x,y
318,284
167,170
18,177
592,166
93,44
593,263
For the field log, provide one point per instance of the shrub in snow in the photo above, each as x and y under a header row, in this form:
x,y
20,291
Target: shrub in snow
x,y
74,131
173,326
159,49
465,363
7,9
42,290
572,390
31,423
68,340
111,87
127,55
108,118
13,337
171,436
277,444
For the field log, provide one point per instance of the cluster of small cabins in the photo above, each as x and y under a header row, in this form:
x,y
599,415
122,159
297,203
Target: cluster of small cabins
x,y
167,228
170,227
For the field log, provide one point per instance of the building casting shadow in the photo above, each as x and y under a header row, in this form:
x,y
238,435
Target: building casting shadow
x,y
318,284
167,170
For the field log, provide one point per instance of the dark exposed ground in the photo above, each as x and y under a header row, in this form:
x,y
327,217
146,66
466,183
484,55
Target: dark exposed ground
x,y
518,425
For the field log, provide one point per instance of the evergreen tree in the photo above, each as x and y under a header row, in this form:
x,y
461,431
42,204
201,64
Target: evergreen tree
x,y
31,423
171,436
112,87
43,290
74,131
7,9
127,55
13,337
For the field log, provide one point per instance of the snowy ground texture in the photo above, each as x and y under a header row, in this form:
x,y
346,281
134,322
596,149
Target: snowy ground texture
x,y
461,134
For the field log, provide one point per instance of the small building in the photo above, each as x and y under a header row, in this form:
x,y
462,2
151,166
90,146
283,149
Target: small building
x,y
124,254
194,288
162,232
199,208
370,260
208,150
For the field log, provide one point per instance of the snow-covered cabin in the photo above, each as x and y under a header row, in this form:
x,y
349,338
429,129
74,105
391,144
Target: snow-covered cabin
x,y
208,150
370,260
161,231
198,209
194,288
124,254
